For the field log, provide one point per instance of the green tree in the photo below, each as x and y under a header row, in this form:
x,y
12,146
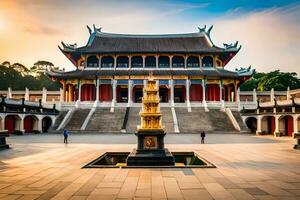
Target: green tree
x,y
280,81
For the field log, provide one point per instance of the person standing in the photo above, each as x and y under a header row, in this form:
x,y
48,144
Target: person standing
x,y
202,137
66,135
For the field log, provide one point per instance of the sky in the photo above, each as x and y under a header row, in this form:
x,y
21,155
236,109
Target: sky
x,y
268,30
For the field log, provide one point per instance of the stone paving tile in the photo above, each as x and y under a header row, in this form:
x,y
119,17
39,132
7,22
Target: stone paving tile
x,y
244,171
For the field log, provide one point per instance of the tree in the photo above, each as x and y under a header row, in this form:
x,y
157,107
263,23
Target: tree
x,y
280,81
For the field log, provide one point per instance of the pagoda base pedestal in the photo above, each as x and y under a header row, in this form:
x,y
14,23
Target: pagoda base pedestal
x,y
150,151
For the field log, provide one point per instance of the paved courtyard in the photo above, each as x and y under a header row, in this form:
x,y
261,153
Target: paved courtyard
x,y
248,167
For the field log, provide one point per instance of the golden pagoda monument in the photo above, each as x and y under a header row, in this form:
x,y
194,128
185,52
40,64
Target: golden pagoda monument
x,y
150,149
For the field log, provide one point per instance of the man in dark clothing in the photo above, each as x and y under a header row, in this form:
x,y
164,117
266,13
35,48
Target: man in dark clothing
x,y
202,137
66,135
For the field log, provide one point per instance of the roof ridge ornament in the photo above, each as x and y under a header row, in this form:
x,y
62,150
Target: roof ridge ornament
x,y
89,28
96,29
69,46
231,45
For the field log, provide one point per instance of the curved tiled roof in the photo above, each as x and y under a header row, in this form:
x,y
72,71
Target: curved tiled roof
x,y
214,72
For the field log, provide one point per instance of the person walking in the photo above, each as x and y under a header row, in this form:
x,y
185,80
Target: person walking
x,y
66,135
202,137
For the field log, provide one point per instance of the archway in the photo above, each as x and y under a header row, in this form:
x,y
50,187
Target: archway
x,y
12,123
193,61
179,93
92,61
137,92
212,92
251,123
30,123
105,93
196,92
136,61
122,62
286,125
207,61
178,62
122,93
107,62
268,125
46,124
163,62
150,62
88,92
164,94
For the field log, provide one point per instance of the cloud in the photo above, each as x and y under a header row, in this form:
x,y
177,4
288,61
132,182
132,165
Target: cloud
x,y
270,38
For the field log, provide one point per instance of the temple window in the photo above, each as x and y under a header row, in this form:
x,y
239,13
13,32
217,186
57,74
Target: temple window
x,y
193,61
163,62
122,62
208,61
107,62
136,61
177,62
150,62
92,61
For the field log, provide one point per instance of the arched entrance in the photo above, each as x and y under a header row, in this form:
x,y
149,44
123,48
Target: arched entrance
x,y
88,92
12,123
268,125
30,124
196,92
46,124
251,123
286,125
137,92
212,92
179,93
164,94
122,93
105,93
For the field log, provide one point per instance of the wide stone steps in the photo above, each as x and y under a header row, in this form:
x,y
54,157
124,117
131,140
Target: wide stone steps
x,y
238,117
167,119
105,121
59,119
198,120
77,119
134,119
220,121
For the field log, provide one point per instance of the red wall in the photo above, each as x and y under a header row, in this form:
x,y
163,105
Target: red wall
x,y
289,125
212,92
105,93
28,124
88,92
9,123
196,92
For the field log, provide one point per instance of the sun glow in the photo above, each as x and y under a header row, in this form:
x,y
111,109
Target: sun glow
x,y
2,23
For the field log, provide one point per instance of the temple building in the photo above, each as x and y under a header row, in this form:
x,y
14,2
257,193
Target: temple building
x,y
112,68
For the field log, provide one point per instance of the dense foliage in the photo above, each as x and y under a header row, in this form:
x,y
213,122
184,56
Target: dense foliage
x,y
19,77
280,81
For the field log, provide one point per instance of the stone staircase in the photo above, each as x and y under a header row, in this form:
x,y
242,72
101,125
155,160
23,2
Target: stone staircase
x,y
220,121
59,119
133,119
105,121
167,119
198,120
77,119
238,117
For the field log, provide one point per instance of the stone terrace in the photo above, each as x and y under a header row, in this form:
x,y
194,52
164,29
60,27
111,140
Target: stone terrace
x,y
248,167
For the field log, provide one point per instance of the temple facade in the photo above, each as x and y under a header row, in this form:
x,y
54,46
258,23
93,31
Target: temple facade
x,y
112,68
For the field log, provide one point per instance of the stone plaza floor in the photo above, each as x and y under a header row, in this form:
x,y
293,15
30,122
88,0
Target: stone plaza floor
x,y
248,167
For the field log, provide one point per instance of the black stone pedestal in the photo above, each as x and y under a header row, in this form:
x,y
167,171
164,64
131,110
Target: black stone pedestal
x,y
150,151
3,135
297,137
